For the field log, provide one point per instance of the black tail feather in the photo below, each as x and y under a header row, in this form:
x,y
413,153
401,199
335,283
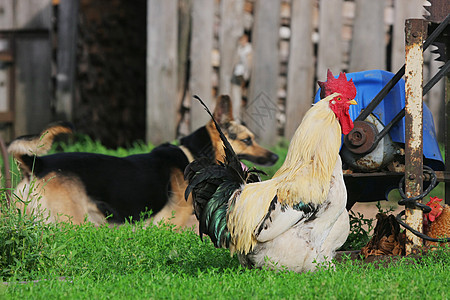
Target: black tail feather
x,y
212,186
230,155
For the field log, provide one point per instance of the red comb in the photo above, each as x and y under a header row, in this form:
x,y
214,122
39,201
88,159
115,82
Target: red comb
x,y
339,85
434,200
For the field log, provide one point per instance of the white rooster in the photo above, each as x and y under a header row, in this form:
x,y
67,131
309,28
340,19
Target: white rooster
x,y
298,218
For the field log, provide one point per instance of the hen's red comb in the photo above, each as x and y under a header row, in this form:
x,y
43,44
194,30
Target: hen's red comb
x,y
434,200
339,85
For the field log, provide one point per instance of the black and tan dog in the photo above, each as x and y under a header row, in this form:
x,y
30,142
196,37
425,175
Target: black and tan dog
x,y
91,186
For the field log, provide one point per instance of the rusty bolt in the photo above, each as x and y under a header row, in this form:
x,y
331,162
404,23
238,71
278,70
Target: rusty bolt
x,y
412,177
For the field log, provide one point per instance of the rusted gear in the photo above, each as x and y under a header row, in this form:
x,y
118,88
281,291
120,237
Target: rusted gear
x,y
441,51
438,10
361,139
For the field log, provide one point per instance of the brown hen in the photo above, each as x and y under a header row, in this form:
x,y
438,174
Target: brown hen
x,y
439,217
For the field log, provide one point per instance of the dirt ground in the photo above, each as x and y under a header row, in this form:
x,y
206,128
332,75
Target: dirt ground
x,y
369,209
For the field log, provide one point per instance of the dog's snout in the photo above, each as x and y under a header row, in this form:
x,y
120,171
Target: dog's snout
x,y
273,158
267,160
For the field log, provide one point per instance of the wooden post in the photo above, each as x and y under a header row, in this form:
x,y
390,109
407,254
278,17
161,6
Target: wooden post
x,y
231,29
27,25
161,70
262,108
330,45
184,30
300,77
7,88
415,35
368,45
184,39
67,38
7,17
201,68
403,9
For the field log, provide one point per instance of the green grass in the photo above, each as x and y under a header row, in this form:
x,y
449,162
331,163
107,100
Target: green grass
x,y
85,144
64,261
134,262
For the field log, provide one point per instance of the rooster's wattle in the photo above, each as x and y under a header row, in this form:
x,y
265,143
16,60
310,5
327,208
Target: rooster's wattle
x,y
296,219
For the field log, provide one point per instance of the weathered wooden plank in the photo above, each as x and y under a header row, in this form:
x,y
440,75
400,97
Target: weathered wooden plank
x,y
330,46
161,70
36,14
66,57
241,74
4,92
33,94
404,9
6,15
368,46
300,67
184,44
184,29
201,68
262,107
231,29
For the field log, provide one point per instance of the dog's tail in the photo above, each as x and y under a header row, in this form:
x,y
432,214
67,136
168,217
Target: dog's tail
x,y
27,146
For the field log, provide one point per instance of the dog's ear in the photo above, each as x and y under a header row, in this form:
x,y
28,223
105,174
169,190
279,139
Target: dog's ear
x,y
223,111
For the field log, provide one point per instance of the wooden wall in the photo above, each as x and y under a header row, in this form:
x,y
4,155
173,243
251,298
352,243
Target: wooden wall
x,y
25,36
119,85
297,40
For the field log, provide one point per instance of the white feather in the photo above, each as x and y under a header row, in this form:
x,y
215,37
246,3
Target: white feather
x,y
303,245
279,221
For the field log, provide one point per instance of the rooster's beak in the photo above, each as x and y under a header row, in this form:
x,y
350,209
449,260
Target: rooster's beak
x,y
352,102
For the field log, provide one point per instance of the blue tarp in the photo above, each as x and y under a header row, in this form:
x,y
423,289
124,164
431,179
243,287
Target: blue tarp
x,y
368,84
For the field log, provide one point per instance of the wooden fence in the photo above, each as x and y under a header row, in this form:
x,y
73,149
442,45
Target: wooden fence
x,y
25,65
267,54
292,42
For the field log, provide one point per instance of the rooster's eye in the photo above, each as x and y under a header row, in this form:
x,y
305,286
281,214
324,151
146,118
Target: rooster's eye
x,y
339,99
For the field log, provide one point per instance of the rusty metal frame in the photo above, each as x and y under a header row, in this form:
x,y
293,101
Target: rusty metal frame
x,y
415,30
447,133
447,125
416,43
